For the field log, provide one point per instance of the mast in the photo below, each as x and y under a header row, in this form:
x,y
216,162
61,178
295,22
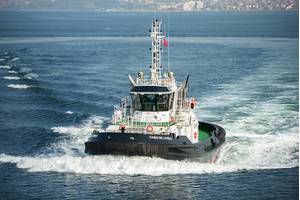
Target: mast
x,y
156,51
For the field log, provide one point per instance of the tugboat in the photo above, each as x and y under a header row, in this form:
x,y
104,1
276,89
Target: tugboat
x,y
157,119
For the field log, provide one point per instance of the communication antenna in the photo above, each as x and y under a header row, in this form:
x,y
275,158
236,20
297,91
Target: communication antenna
x,y
168,36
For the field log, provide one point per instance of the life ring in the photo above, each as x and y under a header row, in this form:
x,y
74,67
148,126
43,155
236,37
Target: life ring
x,y
193,103
149,128
173,119
122,128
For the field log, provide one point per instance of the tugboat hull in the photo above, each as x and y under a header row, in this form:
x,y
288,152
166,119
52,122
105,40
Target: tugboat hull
x,y
164,146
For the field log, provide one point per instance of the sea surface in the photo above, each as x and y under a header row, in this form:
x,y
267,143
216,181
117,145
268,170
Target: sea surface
x,y
62,72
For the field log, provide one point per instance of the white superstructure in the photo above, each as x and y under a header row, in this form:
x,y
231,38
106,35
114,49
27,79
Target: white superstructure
x,y
157,105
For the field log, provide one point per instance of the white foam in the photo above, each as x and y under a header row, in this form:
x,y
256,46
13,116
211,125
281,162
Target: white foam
x,y
2,59
69,112
113,165
106,164
262,131
261,134
18,86
68,156
11,77
272,151
31,76
25,70
15,59
12,72
4,67
77,135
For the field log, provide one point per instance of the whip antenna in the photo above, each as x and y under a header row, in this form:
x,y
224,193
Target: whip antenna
x,y
168,28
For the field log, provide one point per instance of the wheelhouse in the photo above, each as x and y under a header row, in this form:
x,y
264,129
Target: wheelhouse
x,y
152,98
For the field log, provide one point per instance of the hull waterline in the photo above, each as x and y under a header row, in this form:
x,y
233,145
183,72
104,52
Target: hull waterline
x,y
164,146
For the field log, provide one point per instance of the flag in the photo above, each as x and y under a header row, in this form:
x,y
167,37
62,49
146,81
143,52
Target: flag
x,y
165,43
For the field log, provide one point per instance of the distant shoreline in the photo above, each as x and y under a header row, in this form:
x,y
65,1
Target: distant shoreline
x,y
150,11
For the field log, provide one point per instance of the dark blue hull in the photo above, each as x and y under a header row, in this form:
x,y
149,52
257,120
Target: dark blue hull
x,y
165,146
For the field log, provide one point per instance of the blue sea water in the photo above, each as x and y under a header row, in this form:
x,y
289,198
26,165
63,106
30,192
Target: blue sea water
x,y
62,72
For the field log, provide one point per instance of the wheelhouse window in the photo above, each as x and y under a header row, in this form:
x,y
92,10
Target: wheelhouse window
x,y
152,102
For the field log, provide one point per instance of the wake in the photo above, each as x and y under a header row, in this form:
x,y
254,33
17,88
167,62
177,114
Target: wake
x,y
262,133
68,156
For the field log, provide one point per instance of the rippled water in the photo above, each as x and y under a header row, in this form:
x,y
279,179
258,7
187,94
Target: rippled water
x,y
59,82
